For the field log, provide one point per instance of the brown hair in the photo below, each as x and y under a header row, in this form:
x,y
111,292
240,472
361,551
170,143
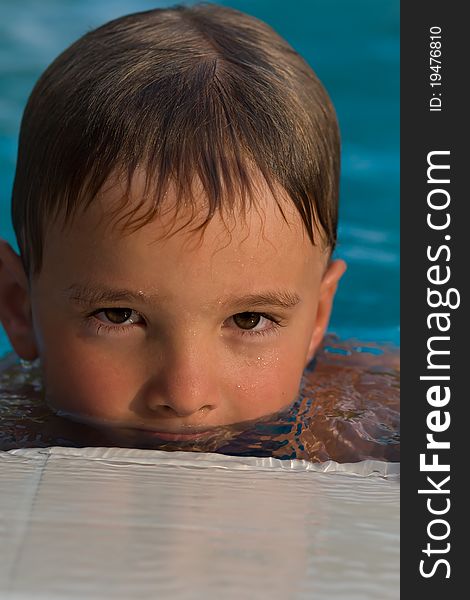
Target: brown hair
x,y
203,91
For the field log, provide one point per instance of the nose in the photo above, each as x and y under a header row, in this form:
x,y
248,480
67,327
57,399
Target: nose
x,y
186,384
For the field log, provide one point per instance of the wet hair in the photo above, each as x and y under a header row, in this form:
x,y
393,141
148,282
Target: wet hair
x,y
203,92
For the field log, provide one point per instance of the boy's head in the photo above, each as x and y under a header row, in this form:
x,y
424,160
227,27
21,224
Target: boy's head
x,y
175,206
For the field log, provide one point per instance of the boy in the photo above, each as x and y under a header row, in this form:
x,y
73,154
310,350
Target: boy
x,y
175,205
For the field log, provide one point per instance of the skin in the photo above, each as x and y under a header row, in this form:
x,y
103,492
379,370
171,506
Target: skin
x,y
189,357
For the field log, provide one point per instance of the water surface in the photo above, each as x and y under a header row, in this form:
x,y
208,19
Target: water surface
x,y
347,410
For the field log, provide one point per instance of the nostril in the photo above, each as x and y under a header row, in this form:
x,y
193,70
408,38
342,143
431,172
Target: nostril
x,y
166,410
162,408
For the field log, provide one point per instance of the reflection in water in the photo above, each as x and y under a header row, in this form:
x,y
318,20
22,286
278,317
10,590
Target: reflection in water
x,y
347,410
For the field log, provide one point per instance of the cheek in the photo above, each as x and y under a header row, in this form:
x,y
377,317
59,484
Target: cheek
x,y
83,382
267,387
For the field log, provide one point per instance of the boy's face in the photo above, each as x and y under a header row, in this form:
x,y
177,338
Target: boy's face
x,y
179,333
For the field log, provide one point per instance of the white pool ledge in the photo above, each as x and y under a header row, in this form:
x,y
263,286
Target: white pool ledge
x,y
101,523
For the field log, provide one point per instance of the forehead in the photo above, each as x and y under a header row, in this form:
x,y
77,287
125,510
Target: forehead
x,y
254,241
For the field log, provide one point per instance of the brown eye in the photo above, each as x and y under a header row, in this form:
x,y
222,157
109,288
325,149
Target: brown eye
x,y
117,315
247,320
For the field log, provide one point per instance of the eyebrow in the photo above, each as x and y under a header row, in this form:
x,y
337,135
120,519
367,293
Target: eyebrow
x,y
274,298
83,294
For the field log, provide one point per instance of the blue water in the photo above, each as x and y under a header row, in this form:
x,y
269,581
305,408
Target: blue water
x,y
354,48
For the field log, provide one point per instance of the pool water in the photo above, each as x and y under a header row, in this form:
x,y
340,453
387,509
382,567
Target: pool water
x,y
347,411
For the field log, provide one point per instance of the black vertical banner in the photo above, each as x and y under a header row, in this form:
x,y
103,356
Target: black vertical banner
x,y
435,268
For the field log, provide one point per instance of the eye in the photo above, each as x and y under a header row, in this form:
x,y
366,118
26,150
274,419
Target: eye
x,y
253,323
247,320
114,320
118,316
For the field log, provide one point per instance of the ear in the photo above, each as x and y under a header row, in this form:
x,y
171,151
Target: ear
x,y
15,307
328,286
